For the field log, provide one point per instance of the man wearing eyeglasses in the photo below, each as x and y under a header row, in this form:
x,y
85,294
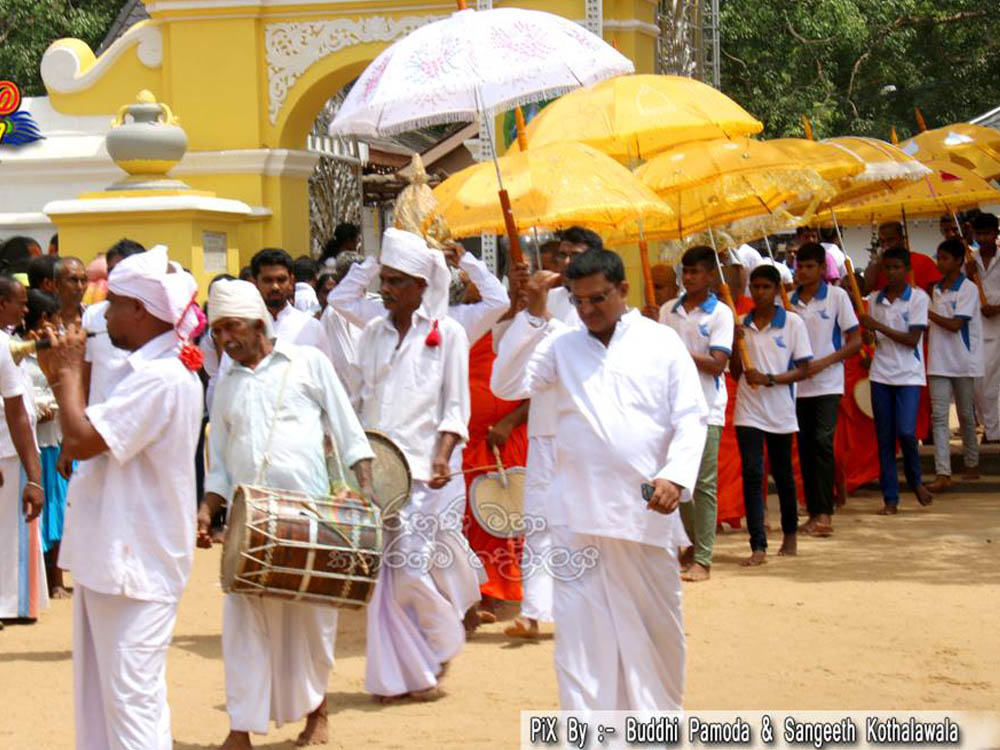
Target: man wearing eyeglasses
x,y
630,411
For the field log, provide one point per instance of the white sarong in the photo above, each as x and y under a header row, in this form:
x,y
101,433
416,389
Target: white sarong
x,y
536,557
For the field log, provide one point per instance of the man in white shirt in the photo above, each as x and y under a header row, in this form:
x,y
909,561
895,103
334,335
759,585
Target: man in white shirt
x,y
834,336
897,316
71,283
129,534
630,412
304,269
23,589
706,327
954,361
104,363
778,347
275,279
280,398
987,388
414,365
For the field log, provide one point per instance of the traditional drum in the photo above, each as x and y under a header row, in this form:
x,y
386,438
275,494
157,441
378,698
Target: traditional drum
x,y
391,479
496,501
863,397
293,546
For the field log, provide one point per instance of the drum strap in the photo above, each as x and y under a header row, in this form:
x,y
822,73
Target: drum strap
x,y
266,463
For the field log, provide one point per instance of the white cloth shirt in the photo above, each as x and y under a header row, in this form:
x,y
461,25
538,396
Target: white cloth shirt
x,y
707,328
312,403
990,279
828,316
628,413
14,381
342,337
107,362
894,363
956,354
414,391
130,511
781,346
305,298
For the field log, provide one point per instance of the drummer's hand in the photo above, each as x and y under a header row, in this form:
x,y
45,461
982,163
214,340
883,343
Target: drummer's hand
x,y
499,433
439,471
204,538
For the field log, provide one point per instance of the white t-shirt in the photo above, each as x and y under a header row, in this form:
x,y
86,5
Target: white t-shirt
x,y
828,317
707,328
894,363
956,354
780,347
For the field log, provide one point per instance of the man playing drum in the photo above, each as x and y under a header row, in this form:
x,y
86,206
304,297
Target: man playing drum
x,y
269,417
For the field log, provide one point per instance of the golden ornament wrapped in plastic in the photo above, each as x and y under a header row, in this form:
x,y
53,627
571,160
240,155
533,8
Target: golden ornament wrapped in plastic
x,y
416,208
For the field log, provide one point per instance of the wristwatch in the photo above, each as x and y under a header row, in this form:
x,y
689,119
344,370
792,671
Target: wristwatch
x,y
770,379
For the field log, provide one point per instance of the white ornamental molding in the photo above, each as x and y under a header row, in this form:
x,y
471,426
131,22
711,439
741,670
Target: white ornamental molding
x,y
292,48
62,64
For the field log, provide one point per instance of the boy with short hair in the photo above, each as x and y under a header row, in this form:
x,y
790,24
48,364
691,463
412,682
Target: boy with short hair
x,y
898,317
954,361
778,344
834,336
706,327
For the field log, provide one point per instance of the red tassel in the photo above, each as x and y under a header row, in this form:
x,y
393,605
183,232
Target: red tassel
x,y
191,356
434,337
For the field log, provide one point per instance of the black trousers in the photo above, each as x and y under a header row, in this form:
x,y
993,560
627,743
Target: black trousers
x,y
817,424
779,453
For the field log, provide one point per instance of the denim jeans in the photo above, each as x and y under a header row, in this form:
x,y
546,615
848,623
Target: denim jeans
x,y
817,423
895,414
779,453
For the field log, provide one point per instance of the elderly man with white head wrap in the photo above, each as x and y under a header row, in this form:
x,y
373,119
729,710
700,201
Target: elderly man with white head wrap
x,y
414,364
129,537
270,413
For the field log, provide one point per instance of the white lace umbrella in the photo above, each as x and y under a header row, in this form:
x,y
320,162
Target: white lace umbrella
x,y
474,63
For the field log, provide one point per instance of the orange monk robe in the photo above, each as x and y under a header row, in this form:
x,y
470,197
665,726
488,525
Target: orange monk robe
x,y
854,446
501,558
730,479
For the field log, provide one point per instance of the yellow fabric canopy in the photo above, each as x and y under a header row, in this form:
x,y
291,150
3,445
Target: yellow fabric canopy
x,y
974,147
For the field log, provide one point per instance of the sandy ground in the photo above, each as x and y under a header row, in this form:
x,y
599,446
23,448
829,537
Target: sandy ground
x,y
891,613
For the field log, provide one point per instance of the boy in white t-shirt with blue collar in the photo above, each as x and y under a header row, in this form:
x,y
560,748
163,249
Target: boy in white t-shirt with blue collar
x,y
779,350
897,315
954,361
705,325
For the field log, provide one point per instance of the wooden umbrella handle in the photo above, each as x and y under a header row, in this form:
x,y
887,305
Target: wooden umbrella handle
x,y
970,260
508,220
784,294
852,284
741,344
647,273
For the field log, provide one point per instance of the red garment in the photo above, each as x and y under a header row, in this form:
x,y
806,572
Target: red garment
x,y
854,445
500,557
730,479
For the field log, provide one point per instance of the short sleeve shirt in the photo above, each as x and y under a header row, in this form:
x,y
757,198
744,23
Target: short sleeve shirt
x,y
705,329
828,316
956,354
782,345
895,363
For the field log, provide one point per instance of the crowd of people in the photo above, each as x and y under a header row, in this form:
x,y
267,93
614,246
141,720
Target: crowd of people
x,y
641,433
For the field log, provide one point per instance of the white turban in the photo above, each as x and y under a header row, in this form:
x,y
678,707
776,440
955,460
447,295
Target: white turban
x,y
407,252
164,289
232,298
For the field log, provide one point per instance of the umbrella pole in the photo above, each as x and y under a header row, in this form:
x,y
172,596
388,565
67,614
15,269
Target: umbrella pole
x,y
852,282
727,297
971,261
508,214
647,271
522,139
784,292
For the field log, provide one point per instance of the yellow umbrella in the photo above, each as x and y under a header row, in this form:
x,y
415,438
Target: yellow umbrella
x,y
552,186
830,162
886,167
633,117
974,147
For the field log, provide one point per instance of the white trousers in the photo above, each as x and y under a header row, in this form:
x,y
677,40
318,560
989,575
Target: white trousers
x,y
619,634
987,393
413,625
277,656
536,556
120,671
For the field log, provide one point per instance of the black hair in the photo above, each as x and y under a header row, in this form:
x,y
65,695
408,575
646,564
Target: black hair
x,y
985,221
305,269
579,236
899,253
946,219
700,255
799,231
246,273
15,254
123,249
41,268
39,303
7,286
321,279
898,226
221,277
767,272
811,251
344,232
549,247
271,256
591,262
54,243
954,247
828,234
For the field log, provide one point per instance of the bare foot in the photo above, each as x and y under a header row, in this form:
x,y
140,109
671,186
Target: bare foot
x,y
789,546
471,621
523,627
808,526
237,741
697,572
757,557
924,496
388,700
686,558
486,617
60,592
823,526
429,695
887,510
315,730
218,536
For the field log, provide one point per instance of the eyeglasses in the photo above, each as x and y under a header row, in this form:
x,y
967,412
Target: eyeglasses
x,y
594,299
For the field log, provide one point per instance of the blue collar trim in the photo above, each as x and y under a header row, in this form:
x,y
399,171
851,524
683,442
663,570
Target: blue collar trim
x,y
905,296
708,306
954,287
778,321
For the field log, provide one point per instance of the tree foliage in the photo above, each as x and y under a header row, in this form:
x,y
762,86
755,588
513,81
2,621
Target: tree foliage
x,y
860,66
28,27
